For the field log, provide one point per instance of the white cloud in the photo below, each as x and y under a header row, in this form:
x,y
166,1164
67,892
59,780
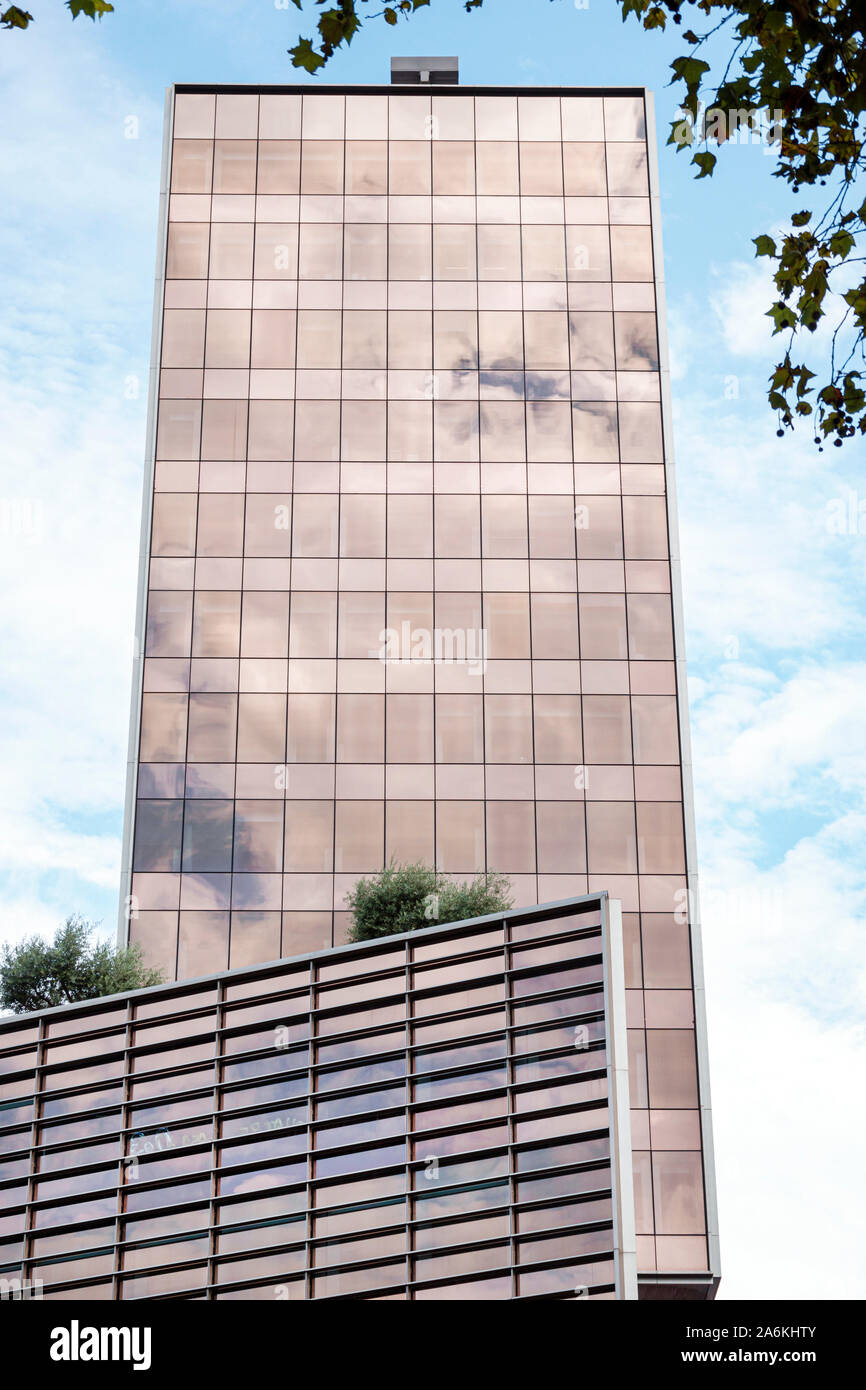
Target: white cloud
x,y
790,1152
762,742
786,989
773,602
742,295
761,564
76,328
680,340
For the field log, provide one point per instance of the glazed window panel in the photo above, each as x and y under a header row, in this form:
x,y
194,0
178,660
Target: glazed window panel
x,y
361,622
603,633
309,837
554,628
453,167
258,837
346,1252
410,427
660,837
457,527
364,339
497,168
631,253
465,1262
278,167
459,725
561,837
365,252
360,728
315,523
358,1281
366,166
385,1213
362,518
275,255
678,1193
224,429
220,525
313,628
265,625
588,254
232,251
234,166
584,169
499,252
508,728
650,627
409,168
212,727
322,166
227,342
636,343
179,429
611,837
544,252
455,340
672,1068
320,255
183,337
311,728
358,835
410,252
158,838
506,618
557,729
409,728
454,252
656,729
216,624
342,1106
459,844
187,251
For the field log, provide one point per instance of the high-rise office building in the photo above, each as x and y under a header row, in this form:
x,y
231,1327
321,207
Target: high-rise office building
x,y
409,582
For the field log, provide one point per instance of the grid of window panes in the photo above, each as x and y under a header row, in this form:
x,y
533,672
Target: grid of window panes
x,y
409,376
410,383
430,1122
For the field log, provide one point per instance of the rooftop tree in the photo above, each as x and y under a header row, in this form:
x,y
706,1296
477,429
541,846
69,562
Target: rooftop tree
x,y
37,974
404,897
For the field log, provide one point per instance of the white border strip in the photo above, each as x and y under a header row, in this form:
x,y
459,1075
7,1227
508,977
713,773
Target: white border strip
x,y
682,704
146,519
618,1100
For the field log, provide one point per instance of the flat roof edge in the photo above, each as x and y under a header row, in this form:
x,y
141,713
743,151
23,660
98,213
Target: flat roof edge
x,y
388,88
561,905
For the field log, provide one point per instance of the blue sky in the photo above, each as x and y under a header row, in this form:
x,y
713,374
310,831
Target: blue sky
x,y
774,594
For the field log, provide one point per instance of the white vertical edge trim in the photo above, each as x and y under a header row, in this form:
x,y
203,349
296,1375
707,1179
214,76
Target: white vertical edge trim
x,y
620,1115
682,703
146,518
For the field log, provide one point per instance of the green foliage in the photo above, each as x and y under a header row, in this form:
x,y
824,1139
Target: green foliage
x,y
340,25
39,975
94,9
16,18
404,897
803,68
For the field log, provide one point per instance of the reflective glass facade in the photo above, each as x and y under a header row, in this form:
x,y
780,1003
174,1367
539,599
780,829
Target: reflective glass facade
x,y
439,1116
410,573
